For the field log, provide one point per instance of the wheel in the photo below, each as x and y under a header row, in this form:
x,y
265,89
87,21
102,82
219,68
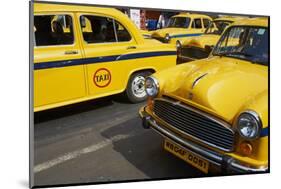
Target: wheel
x,y
135,91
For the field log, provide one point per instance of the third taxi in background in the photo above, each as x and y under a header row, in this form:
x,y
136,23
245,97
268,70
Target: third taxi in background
x,y
213,113
199,47
182,26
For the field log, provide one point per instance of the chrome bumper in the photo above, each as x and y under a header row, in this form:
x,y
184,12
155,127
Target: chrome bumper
x,y
225,163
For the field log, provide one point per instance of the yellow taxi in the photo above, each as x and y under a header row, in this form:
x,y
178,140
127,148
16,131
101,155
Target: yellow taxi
x,y
83,52
213,113
145,33
199,47
182,26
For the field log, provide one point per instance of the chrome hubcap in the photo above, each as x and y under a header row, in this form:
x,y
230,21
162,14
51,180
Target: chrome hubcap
x,y
138,87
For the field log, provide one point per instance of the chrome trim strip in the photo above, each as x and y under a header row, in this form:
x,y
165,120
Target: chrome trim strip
x,y
220,122
236,166
197,80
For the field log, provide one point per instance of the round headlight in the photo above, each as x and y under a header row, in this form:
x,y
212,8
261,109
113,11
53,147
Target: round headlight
x,y
167,37
249,125
151,86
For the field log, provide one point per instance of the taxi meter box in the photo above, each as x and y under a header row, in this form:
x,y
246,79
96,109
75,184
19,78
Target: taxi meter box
x,y
83,53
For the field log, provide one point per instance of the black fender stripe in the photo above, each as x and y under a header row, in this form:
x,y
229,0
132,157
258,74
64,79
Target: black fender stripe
x,y
94,60
264,132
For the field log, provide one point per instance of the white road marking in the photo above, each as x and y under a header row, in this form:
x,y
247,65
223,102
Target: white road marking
x,y
77,153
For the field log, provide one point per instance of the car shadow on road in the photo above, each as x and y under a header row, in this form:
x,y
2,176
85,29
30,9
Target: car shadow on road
x,y
72,109
144,150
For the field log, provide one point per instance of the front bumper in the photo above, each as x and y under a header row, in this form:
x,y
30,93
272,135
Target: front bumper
x,y
225,163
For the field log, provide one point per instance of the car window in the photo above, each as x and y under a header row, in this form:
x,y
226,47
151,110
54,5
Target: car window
x,y
222,24
178,22
53,30
122,33
207,22
197,23
244,42
99,29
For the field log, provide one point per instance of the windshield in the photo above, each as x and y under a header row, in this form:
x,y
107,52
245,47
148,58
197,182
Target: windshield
x,y
244,42
178,22
221,25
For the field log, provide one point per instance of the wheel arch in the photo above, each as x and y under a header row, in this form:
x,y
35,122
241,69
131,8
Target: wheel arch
x,y
149,69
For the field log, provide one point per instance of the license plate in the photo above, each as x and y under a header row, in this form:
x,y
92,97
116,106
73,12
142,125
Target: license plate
x,y
187,156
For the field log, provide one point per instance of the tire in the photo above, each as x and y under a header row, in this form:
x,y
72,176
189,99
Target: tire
x,y
135,91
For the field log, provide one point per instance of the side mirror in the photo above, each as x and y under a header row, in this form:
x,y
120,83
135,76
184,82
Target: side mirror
x,y
209,48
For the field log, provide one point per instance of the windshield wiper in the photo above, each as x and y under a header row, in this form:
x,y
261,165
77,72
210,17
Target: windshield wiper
x,y
233,53
240,53
221,54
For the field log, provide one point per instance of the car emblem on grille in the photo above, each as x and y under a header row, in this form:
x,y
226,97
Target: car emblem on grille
x,y
176,103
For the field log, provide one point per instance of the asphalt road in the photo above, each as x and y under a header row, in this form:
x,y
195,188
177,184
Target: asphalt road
x,y
100,141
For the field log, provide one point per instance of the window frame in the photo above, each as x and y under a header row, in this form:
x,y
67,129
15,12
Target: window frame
x,y
118,22
115,32
193,23
226,32
56,14
209,22
189,19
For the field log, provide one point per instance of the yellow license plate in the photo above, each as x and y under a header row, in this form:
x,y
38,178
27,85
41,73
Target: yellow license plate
x,y
187,156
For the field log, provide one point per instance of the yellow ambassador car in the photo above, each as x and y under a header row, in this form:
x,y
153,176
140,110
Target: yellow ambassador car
x,y
182,26
213,113
199,47
82,53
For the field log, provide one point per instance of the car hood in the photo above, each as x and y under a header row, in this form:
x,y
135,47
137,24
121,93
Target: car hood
x,y
202,41
220,84
171,31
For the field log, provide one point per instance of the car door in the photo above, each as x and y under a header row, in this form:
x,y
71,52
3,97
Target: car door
x,y
104,41
58,76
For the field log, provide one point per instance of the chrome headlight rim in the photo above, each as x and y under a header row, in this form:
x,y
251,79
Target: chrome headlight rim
x,y
155,83
167,37
256,117
178,44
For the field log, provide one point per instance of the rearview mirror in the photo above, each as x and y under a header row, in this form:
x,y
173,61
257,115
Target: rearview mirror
x,y
209,48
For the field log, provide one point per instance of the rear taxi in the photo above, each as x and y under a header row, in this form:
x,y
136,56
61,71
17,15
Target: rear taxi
x,y
199,47
181,27
213,113
83,53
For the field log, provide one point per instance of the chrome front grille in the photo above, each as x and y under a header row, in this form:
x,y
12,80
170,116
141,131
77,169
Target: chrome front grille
x,y
195,123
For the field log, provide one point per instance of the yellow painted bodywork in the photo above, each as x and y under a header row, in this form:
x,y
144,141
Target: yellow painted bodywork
x,y
208,39
202,41
175,32
146,33
231,86
54,87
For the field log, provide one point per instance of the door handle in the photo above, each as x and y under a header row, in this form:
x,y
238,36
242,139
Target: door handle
x,y
71,52
131,47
